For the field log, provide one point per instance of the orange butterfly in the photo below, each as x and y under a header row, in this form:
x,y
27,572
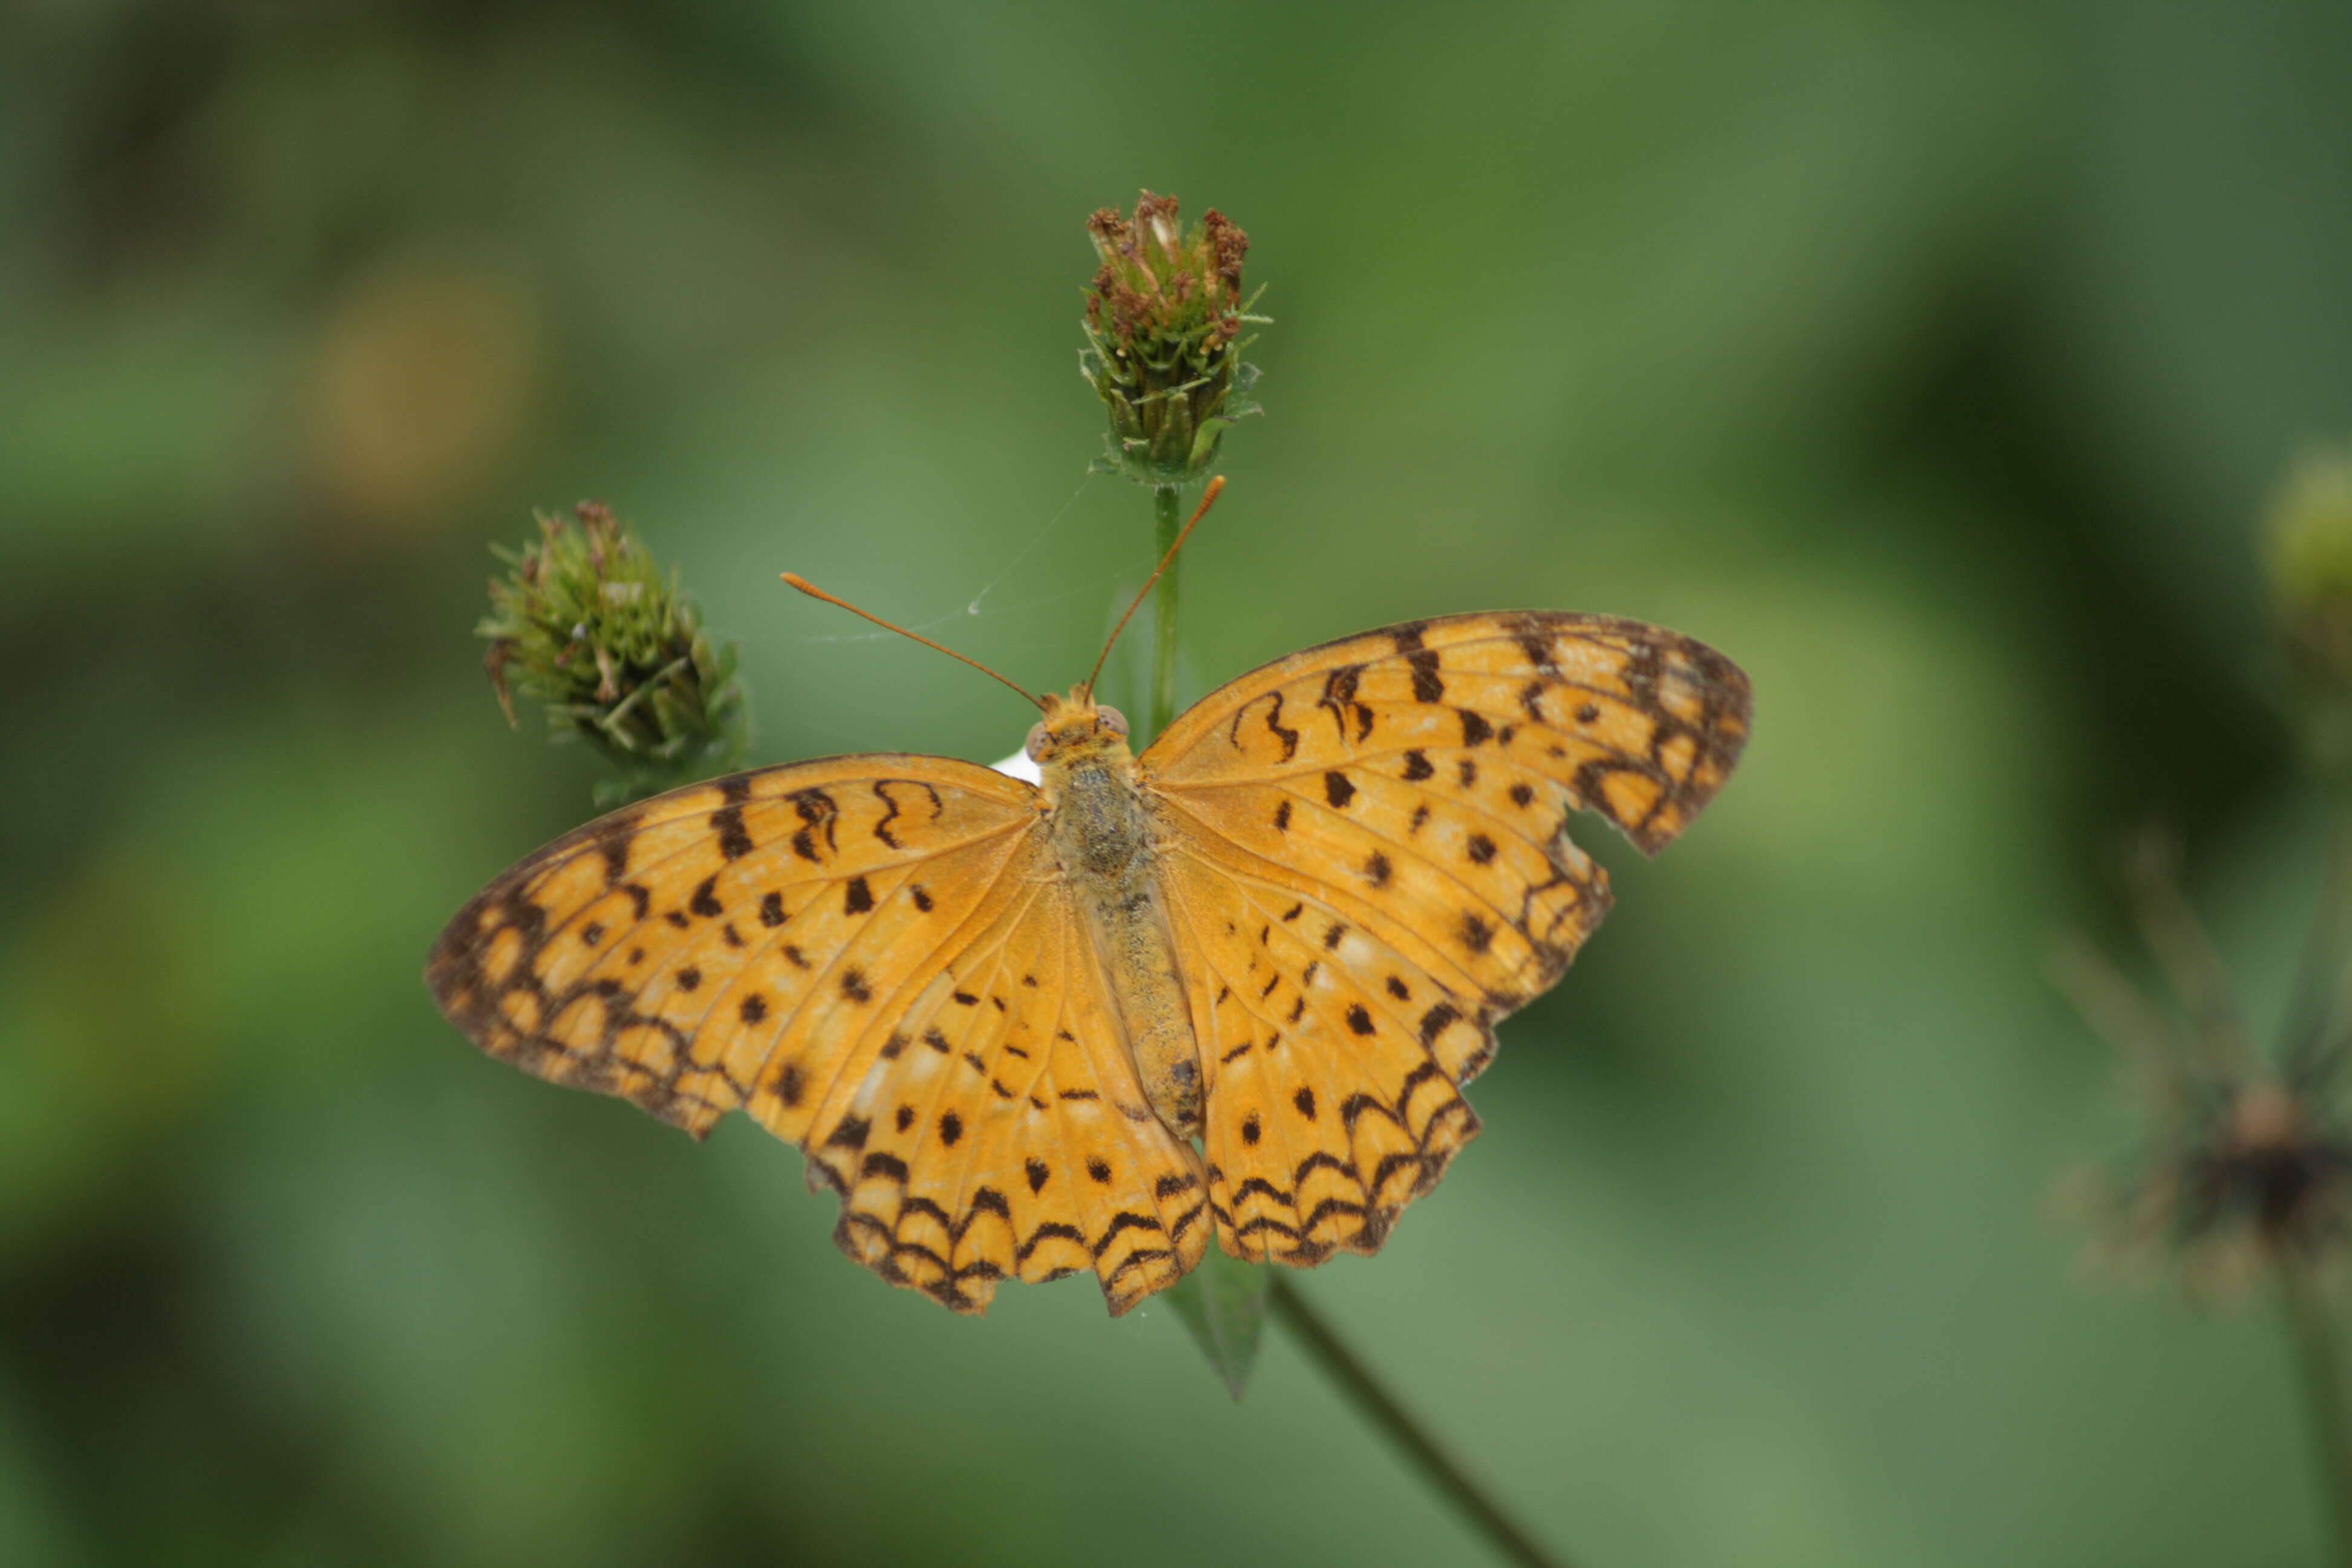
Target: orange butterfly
x,y
996,1016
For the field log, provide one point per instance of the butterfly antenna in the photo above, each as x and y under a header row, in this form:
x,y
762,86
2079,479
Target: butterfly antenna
x,y
814,592
1208,499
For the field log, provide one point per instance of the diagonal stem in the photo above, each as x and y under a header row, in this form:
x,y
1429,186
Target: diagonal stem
x,y
1364,1389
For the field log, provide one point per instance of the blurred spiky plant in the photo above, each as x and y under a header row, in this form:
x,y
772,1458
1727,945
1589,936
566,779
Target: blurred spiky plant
x,y
585,623
2242,1172
2242,1168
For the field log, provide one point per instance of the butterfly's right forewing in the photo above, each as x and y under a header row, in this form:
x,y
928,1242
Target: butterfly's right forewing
x,y
876,957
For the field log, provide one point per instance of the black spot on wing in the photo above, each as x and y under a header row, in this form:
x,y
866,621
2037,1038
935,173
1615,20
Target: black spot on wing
x,y
733,841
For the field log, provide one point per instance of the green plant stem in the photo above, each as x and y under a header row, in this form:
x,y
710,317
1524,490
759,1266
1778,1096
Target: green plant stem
x,y
1168,509
2322,1390
1356,1381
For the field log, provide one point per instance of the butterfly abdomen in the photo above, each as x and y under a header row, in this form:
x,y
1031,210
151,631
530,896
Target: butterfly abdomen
x,y
1107,845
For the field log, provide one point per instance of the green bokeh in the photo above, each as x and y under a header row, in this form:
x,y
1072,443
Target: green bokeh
x,y
1933,360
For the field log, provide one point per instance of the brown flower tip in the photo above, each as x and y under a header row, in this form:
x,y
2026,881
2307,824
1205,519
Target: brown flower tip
x,y
1164,319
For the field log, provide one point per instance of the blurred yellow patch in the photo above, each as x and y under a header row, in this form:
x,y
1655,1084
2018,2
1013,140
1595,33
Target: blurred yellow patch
x,y
426,376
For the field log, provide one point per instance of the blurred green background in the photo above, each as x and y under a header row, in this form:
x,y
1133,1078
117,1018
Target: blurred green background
x,y
1933,360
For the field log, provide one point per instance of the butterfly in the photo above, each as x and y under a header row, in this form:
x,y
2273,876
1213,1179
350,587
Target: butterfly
x,y
1233,984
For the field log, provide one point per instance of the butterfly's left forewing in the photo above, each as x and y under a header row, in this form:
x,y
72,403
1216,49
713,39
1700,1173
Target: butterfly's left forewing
x,y
1367,848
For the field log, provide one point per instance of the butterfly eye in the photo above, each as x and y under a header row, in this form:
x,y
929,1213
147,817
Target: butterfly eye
x,y
1034,746
1111,719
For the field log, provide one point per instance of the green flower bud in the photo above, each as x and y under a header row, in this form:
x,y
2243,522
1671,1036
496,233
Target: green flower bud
x,y
586,624
2309,552
1164,320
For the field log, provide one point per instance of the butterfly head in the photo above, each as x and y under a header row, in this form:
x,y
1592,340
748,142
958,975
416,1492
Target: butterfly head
x,y
1076,729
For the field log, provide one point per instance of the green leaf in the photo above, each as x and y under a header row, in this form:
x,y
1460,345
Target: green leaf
x,y
1222,1303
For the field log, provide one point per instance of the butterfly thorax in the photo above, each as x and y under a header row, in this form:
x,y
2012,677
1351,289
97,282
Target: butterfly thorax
x,y
1103,835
